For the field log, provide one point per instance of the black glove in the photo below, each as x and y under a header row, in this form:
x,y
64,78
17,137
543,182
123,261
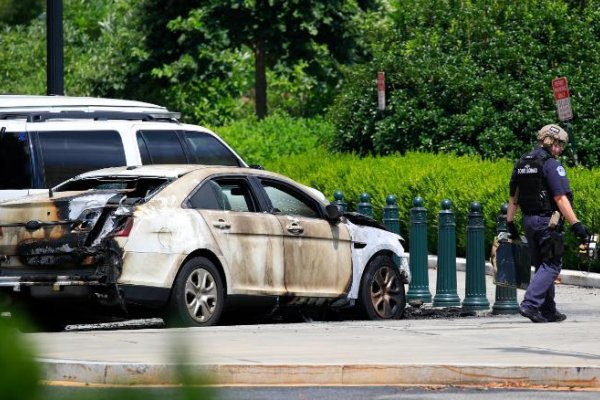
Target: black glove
x,y
580,231
513,232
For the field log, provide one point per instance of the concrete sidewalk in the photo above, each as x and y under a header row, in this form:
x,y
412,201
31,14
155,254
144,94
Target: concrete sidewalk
x,y
482,350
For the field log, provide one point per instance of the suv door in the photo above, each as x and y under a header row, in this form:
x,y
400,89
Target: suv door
x,y
250,241
317,254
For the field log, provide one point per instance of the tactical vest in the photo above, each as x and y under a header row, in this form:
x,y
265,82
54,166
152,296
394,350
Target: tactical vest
x,y
533,196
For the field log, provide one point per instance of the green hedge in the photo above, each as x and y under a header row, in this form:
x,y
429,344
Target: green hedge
x,y
474,77
276,136
462,180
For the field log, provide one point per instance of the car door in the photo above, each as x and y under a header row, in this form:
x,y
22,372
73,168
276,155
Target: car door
x,y
250,241
317,253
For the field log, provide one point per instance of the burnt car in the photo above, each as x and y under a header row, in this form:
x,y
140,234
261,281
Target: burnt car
x,y
183,239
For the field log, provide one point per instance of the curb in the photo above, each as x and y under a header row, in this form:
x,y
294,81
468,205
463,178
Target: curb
x,y
566,276
62,371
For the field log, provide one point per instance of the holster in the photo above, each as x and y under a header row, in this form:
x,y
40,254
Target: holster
x,y
553,247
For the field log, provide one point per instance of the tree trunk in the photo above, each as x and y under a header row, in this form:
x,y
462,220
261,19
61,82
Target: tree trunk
x,y
260,79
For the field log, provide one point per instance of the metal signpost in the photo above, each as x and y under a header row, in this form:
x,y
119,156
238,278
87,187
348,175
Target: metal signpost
x,y
562,97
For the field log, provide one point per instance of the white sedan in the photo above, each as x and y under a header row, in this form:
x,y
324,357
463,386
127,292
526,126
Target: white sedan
x,y
183,239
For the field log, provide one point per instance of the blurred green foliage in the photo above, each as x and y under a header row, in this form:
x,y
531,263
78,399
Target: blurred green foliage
x,y
19,374
474,77
17,12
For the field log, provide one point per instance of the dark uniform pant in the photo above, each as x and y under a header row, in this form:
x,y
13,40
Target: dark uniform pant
x,y
546,246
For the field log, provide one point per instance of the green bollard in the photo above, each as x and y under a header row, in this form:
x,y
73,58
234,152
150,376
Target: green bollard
x,y
445,293
419,284
475,293
364,207
391,214
339,201
506,297
391,218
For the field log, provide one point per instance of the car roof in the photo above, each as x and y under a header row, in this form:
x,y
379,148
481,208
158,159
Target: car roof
x,y
50,102
176,170
166,170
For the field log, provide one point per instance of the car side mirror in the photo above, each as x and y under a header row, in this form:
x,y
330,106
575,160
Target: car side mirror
x,y
333,213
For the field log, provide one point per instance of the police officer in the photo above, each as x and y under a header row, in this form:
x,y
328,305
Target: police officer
x,y
540,188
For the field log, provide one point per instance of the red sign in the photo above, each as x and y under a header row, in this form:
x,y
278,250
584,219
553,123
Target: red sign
x,y
562,98
381,91
560,88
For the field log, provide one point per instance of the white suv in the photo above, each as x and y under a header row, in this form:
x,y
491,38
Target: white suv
x,y
45,140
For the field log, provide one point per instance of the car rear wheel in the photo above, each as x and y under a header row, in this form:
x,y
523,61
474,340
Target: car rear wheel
x,y
382,293
198,294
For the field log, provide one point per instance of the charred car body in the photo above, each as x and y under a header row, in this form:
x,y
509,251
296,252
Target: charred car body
x,y
184,238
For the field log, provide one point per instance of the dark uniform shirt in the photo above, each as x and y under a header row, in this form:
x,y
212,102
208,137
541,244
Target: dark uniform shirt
x,y
555,174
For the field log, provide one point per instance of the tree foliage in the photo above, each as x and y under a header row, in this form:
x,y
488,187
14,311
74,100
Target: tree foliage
x,y
218,45
102,42
473,77
20,12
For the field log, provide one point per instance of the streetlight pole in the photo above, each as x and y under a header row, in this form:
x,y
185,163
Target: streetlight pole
x,y
54,45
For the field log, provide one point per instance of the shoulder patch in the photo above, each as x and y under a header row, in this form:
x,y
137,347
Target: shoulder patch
x,y
561,171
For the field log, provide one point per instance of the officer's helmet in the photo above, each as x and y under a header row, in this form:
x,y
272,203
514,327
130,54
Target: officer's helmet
x,y
550,134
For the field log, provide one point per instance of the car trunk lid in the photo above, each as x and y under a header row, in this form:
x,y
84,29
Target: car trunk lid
x,y
56,229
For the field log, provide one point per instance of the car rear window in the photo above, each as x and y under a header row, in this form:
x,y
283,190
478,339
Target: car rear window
x,y
15,161
66,154
136,187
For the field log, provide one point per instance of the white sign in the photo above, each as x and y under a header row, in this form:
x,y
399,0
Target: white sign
x,y
381,91
562,97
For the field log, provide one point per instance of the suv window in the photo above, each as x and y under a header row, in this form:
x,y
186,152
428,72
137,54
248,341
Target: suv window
x,y
15,161
69,153
206,149
160,147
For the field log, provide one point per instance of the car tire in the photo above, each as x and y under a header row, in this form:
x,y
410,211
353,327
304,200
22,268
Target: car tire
x,y
198,295
382,294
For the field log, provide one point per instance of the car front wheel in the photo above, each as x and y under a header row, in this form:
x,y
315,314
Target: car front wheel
x,y
198,294
382,294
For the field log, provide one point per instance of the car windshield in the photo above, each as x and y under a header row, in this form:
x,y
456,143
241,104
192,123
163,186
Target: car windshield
x,y
136,187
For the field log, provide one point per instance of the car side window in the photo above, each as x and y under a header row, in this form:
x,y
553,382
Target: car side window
x,y
206,149
15,161
160,147
287,201
68,153
225,194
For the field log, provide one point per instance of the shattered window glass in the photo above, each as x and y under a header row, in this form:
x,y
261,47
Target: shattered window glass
x,y
223,194
134,187
15,161
286,201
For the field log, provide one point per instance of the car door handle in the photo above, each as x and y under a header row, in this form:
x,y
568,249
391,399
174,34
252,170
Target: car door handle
x,y
295,228
221,224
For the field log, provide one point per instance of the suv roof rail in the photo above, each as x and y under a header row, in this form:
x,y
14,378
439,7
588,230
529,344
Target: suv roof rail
x,y
98,115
